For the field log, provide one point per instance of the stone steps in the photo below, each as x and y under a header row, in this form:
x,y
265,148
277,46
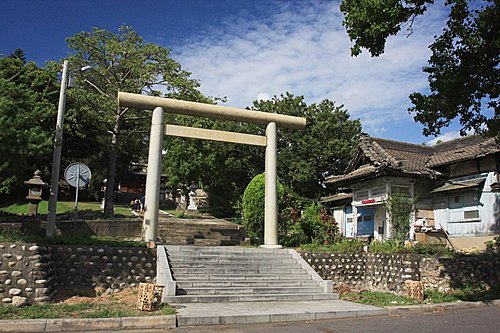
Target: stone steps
x,y
246,283
240,277
236,274
231,264
247,298
201,232
211,290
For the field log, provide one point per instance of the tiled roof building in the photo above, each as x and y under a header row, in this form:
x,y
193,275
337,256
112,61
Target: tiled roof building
x,y
376,157
455,184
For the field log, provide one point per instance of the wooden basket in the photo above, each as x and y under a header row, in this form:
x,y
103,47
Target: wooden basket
x,y
149,296
414,289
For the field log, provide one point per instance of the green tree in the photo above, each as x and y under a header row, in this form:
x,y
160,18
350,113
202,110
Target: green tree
x,y
223,169
305,157
124,62
324,147
28,95
18,54
464,68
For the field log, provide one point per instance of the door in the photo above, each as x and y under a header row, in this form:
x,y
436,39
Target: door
x,y
349,225
365,222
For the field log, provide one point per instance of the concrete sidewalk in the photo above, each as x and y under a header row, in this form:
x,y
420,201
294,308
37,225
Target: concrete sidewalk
x,y
194,314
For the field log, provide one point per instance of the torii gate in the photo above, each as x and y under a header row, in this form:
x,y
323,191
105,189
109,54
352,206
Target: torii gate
x,y
158,130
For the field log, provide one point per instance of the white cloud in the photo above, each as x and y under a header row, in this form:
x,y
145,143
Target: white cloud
x,y
302,48
444,137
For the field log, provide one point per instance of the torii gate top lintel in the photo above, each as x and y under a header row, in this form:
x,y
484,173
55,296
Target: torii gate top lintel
x,y
209,110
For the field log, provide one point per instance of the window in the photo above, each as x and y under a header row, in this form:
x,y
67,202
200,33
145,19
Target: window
x,y
361,195
378,191
400,189
471,214
464,207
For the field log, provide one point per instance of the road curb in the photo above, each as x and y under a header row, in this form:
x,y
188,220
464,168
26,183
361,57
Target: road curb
x,y
170,322
439,307
87,324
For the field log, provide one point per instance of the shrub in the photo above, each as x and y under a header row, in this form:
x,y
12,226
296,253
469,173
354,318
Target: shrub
x,y
253,207
493,246
399,208
318,226
340,246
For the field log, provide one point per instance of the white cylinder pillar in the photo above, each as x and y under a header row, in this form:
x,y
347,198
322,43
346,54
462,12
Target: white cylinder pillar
x,y
271,195
153,177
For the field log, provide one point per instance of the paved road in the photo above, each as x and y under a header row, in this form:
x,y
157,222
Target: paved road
x,y
482,320
478,320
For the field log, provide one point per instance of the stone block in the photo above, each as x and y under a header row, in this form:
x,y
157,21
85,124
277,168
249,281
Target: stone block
x,y
19,301
15,291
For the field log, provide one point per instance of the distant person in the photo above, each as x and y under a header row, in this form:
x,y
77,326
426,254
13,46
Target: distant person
x,y
142,204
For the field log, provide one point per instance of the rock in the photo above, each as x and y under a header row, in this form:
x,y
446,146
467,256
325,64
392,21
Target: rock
x,y
6,300
15,291
22,282
34,248
42,299
16,273
19,301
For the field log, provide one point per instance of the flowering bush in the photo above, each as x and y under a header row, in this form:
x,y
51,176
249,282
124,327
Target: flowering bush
x,y
318,226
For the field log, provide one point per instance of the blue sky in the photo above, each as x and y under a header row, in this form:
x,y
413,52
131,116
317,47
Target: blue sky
x,y
250,49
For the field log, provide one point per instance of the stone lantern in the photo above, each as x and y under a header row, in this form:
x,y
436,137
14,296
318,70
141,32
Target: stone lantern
x,y
35,187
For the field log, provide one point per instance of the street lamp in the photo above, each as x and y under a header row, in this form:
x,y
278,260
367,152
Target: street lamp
x,y
56,161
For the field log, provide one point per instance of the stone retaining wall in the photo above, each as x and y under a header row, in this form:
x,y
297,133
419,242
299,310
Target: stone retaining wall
x,y
381,272
26,274
79,267
31,274
387,272
444,274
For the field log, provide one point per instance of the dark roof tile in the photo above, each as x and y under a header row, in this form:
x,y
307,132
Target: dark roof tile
x,y
412,158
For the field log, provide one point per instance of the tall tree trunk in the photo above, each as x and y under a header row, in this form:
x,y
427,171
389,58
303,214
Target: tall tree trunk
x,y
113,153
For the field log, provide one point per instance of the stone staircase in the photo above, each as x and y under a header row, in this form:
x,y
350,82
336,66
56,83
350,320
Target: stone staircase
x,y
204,232
209,274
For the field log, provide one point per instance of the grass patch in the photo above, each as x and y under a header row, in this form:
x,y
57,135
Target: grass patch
x,y
15,236
64,207
377,298
80,310
342,246
387,247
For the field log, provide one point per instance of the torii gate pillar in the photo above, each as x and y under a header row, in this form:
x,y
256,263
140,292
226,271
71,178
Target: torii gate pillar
x,y
153,177
271,193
